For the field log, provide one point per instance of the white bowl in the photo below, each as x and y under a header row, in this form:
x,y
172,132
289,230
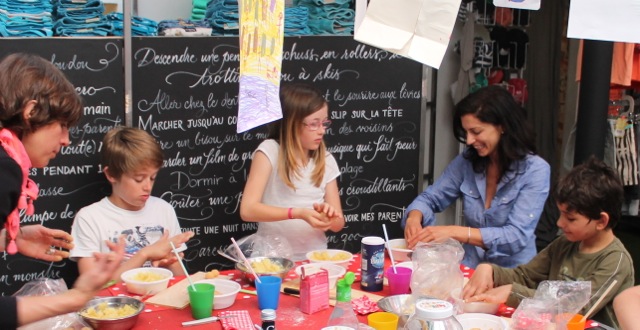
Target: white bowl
x,y
332,256
399,250
474,307
225,292
146,287
481,321
335,271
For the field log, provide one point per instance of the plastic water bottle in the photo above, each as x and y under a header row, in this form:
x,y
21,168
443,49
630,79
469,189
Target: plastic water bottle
x,y
343,313
433,314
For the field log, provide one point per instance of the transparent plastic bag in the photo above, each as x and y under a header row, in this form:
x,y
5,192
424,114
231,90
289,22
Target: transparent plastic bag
x,y
255,245
436,269
554,302
50,287
568,296
565,297
533,314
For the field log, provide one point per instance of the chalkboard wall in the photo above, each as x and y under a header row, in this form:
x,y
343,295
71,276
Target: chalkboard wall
x,y
185,94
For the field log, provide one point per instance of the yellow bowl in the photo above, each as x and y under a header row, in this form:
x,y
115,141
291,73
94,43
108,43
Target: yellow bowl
x,y
332,256
284,263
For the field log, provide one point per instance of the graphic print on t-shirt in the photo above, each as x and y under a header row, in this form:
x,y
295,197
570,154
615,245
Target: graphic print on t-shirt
x,y
138,237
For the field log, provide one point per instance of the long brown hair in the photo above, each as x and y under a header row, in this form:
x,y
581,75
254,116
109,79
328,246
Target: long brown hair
x,y
298,101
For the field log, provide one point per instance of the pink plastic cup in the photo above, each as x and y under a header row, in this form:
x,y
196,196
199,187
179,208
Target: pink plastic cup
x,y
400,281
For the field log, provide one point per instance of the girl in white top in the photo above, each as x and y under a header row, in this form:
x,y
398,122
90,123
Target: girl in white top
x,y
292,189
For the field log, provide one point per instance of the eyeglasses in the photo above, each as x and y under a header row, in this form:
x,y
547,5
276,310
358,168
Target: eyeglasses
x,y
315,125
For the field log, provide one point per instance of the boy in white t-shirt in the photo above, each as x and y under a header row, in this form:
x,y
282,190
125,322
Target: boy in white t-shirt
x,y
131,159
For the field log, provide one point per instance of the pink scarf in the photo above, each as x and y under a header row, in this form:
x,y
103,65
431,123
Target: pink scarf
x,y
29,192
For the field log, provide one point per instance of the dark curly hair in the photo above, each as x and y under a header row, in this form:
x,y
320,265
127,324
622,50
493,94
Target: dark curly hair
x,y
590,188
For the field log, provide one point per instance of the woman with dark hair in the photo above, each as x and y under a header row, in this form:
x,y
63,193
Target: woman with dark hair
x,y
292,188
37,106
502,182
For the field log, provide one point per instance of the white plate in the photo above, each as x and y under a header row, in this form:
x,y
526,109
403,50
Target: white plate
x,y
481,321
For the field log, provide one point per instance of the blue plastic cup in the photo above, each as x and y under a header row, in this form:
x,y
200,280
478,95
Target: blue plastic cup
x,y
268,292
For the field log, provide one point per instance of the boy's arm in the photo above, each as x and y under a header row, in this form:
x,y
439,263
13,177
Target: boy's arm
x,y
519,292
524,279
531,273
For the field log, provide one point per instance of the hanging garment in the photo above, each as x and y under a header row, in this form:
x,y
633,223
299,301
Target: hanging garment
x,y
626,151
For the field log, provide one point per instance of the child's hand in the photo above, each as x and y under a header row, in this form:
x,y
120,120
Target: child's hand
x,y
161,249
167,261
328,211
181,238
497,295
480,282
315,219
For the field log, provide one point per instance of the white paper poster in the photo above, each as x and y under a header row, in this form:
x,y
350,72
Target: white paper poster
x,y
416,29
611,20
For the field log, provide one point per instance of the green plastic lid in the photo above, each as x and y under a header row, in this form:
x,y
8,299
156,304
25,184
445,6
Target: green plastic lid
x,y
343,287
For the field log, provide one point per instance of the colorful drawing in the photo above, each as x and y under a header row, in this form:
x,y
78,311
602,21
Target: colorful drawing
x,y
261,38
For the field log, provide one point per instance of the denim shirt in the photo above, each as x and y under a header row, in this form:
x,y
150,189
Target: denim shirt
x,y
508,226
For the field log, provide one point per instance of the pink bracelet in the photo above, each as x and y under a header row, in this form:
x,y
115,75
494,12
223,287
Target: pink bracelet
x,y
290,212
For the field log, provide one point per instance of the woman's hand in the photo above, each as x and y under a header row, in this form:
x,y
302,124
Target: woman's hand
x,y
44,243
435,234
413,228
480,282
103,267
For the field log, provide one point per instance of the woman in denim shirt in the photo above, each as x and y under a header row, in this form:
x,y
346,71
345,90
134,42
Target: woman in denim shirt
x,y
502,182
